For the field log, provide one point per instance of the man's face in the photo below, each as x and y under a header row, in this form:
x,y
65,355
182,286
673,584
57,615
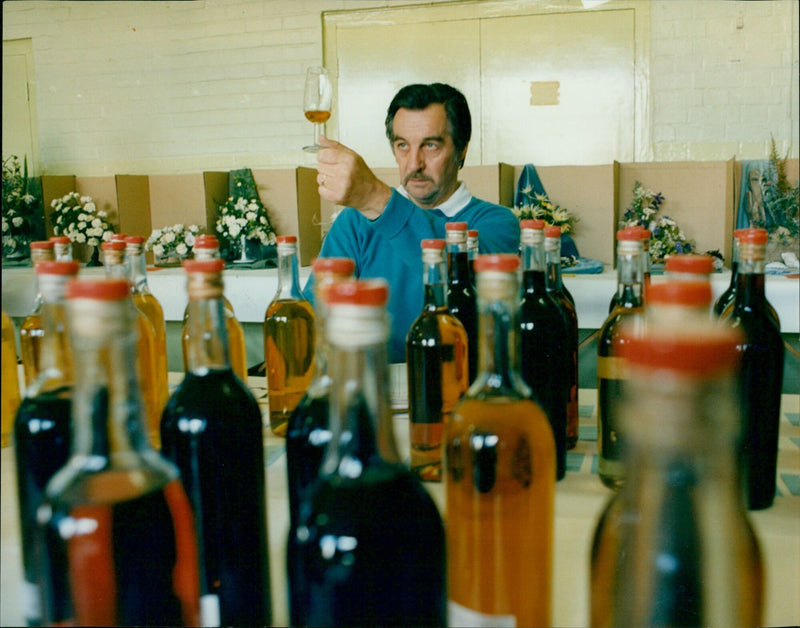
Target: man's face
x,y
425,154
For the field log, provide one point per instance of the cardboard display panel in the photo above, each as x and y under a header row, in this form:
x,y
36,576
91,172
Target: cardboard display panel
x,y
177,199
216,192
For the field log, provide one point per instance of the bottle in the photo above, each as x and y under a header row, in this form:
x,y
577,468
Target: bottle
x,y
689,266
544,340
473,250
10,397
307,433
116,522
726,298
761,373
500,483
115,267
211,429
146,302
436,365
559,293
461,298
644,236
31,332
674,547
62,248
370,547
288,340
611,367
42,428
207,247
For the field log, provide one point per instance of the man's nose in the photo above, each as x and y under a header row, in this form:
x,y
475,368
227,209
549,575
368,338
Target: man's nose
x,y
416,159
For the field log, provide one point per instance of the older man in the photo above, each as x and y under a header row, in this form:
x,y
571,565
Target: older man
x,y
429,128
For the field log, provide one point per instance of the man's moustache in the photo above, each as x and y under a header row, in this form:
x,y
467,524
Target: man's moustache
x,y
416,177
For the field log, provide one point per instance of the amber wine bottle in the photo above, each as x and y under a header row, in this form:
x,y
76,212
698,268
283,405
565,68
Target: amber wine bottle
x,y
307,433
675,547
370,547
436,365
212,431
43,427
644,236
461,298
559,293
288,340
500,483
611,368
207,247
31,332
62,248
9,400
115,521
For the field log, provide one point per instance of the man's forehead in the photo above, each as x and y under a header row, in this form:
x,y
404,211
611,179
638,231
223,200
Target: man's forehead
x,y
430,122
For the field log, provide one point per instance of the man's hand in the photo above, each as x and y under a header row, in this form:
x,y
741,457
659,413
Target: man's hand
x,y
345,179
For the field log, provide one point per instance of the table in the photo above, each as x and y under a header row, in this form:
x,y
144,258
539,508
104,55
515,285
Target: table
x,y
580,497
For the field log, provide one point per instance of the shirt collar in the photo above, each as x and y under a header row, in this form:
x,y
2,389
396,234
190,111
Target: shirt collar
x,y
458,200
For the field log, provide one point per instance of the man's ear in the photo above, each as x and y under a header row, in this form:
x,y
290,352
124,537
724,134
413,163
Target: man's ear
x,y
462,156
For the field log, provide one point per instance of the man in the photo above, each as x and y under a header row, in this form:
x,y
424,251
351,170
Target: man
x,y
429,128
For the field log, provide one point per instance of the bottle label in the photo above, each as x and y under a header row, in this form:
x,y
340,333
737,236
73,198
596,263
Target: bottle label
x,y
209,610
31,603
462,616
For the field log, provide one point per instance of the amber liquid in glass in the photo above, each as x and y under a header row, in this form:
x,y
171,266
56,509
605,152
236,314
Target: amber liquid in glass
x,y
151,308
30,346
145,367
500,485
436,350
318,117
10,397
289,357
462,302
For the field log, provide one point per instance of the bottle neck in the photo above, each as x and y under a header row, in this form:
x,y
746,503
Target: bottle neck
x,y
115,266
553,262
457,263
434,284
207,334
138,270
56,364
288,273
360,416
107,408
750,291
533,256
498,340
630,271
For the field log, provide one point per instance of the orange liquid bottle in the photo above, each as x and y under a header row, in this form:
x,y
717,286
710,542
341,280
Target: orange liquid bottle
x,y
10,397
288,340
500,484
31,331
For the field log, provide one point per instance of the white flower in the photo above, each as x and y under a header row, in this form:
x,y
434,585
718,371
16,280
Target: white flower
x,y
234,230
189,238
17,221
81,225
97,222
82,216
90,206
169,237
181,249
250,216
158,250
177,227
79,237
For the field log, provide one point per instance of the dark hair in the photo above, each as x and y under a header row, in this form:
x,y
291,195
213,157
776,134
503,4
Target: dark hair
x,y
419,96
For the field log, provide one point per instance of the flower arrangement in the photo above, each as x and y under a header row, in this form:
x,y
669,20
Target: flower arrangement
x,y
535,205
241,218
23,220
781,216
666,237
176,241
78,218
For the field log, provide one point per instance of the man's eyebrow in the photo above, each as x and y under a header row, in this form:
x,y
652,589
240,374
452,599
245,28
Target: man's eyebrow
x,y
435,138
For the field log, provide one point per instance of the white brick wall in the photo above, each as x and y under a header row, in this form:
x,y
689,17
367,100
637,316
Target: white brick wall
x,y
157,87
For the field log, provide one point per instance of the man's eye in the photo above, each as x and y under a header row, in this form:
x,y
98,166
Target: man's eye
x,y
432,146
400,146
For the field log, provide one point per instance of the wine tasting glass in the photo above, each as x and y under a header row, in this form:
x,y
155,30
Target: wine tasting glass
x,y
317,101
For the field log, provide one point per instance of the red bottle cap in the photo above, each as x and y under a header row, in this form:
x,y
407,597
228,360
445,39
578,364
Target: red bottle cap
x,y
455,226
49,267
203,265
629,234
134,240
432,243
692,354
688,293
502,262
531,223
754,236
640,232
552,231
100,289
472,233
59,240
118,236
371,292
286,239
113,245
738,232
42,244
335,265
690,263
204,241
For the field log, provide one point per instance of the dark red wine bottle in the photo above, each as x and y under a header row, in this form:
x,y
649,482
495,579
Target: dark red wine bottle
x,y
461,297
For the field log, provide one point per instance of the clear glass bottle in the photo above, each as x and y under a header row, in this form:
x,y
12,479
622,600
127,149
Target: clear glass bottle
x,y
31,332
644,235
288,340
116,267
370,547
147,303
43,426
211,429
436,365
559,293
461,298
611,367
761,373
674,547
500,484
62,248
9,400
308,433
116,522
544,339
207,247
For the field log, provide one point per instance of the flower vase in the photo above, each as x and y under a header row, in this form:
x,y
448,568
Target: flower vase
x,y
243,258
94,258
